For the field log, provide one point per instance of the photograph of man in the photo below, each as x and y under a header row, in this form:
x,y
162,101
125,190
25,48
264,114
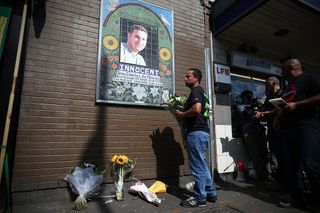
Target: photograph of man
x,y
136,42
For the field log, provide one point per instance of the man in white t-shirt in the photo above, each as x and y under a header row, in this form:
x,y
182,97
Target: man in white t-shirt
x,y
137,40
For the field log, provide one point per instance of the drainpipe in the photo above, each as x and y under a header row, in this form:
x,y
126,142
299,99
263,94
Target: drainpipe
x,y
212,151
213,105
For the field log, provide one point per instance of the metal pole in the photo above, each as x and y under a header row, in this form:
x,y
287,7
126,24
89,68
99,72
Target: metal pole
x,y
211,126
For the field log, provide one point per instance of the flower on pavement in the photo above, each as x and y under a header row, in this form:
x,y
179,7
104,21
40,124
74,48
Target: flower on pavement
x,y
113,159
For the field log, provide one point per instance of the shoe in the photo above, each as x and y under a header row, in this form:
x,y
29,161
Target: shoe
x,y
269,178
294,204
284,204
212,199
192,202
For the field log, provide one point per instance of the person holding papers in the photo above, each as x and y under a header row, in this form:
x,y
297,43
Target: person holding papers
x,y
274,135
301,130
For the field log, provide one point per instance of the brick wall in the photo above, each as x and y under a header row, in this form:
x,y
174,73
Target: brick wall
x,y
60,124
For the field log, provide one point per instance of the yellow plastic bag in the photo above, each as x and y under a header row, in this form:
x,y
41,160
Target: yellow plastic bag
x,y
158,187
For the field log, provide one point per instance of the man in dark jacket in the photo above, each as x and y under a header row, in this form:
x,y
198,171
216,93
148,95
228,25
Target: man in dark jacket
x,y
301,130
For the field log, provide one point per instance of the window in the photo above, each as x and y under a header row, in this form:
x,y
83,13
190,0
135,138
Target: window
x,y
240,83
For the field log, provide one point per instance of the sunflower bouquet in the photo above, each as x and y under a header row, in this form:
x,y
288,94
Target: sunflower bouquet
x,y
121,165
85,181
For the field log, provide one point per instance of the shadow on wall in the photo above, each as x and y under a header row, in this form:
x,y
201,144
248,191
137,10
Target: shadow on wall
x,y
95,148
169,156
236,150
38,16
94,152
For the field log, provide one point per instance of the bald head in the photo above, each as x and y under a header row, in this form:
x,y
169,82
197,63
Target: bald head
x,y
291,69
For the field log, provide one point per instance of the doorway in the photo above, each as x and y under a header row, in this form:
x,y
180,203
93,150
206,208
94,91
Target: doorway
x,y
240,83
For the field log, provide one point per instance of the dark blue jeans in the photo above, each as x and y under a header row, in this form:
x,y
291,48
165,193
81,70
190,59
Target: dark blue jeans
x,y
197,145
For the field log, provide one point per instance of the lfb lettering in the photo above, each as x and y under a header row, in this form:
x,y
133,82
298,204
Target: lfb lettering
x,y
223,71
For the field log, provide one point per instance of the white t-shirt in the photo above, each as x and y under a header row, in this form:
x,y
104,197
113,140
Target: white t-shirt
x,y
128,57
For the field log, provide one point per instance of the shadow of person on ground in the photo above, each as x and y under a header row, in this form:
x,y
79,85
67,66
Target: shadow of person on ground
x,y
253,188
169,157
256,188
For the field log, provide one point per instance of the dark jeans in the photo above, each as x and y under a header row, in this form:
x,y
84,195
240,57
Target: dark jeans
x,y
257,150
302,150
276,146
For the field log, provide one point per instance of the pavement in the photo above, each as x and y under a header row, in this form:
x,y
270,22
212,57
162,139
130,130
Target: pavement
x,y
233,197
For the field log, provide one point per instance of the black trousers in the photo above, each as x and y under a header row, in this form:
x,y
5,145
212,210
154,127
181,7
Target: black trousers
x,y
302,150
276,146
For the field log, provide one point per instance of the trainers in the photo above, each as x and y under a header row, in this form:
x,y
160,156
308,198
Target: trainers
x,y
192,202
212,199
294,204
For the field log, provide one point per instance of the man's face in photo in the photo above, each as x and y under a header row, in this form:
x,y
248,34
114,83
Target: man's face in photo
x,y
137,40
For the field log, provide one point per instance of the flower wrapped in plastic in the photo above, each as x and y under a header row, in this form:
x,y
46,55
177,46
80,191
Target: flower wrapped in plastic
x,y
121,165
85,181
175,104
142,190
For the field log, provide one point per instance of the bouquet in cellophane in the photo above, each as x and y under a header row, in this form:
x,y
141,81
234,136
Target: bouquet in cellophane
x,y
175,103
121,165
85,181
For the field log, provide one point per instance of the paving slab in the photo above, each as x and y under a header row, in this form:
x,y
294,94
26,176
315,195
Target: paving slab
x,y
233,197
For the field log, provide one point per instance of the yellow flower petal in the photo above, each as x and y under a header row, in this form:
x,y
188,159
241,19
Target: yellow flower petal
x,y
125,158
114,158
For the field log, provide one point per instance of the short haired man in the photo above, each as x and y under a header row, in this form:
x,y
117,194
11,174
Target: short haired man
x,y
275,140
136,42
196,114
301,130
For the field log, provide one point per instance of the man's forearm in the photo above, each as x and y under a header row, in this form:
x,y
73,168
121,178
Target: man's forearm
x,y
309,102
193,111
190,113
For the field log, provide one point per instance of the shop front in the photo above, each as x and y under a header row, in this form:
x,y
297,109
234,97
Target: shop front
x,y
251,39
